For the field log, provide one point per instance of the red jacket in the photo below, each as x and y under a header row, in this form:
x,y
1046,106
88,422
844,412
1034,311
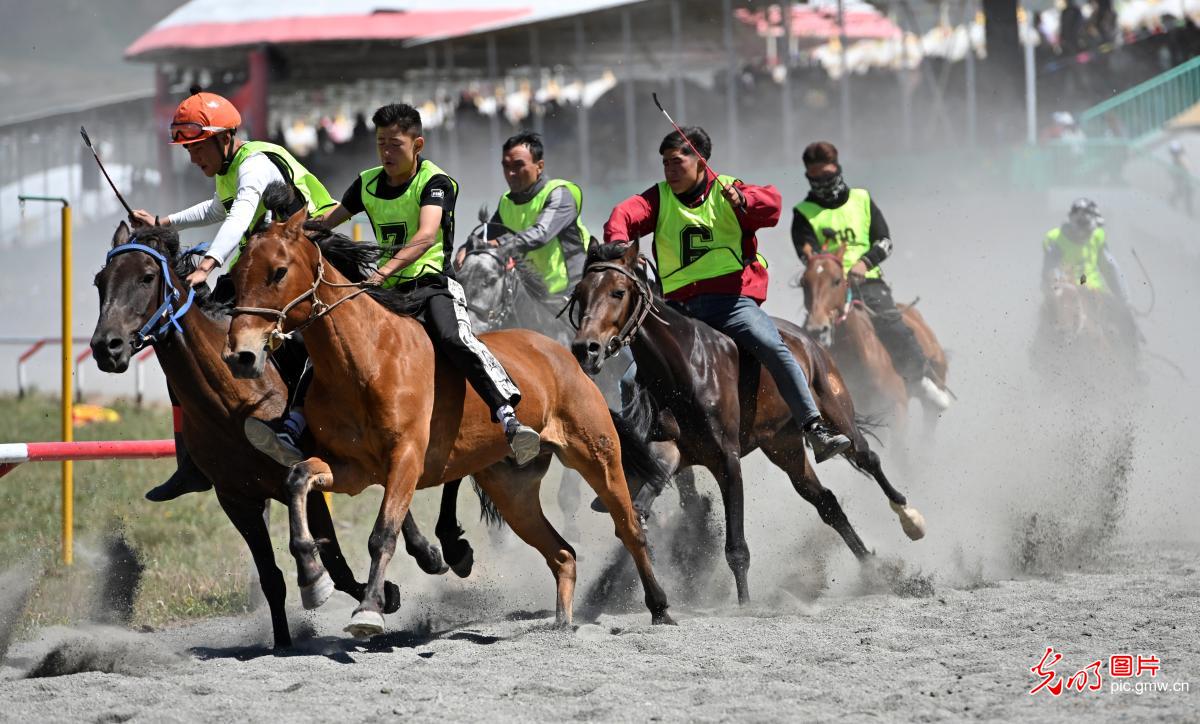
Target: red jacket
x,y
637,216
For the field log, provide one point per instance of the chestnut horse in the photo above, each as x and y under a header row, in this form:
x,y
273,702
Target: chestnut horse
x,y
142,302
703,403
843,324
385,410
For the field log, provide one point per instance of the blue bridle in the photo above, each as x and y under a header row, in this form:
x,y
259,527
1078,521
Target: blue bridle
x,y
168,312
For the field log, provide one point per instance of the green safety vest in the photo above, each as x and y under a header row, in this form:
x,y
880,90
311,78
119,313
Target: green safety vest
x,y
318,199
691,245
1079,261
547,259
395,220
851,223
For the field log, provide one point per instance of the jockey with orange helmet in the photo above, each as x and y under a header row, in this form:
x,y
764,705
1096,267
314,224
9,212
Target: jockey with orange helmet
x,y
206,124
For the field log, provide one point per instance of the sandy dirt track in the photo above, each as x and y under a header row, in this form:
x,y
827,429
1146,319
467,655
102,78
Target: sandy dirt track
x,y
957,654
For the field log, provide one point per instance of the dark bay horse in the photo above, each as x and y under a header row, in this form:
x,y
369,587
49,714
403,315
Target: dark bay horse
x,y
385,410
844,326
701,403
139,282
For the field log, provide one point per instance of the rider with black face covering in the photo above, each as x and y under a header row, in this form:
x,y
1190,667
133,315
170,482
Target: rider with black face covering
x,y
849,216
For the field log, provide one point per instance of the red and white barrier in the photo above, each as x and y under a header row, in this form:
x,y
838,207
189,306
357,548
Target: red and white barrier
x,y
15,453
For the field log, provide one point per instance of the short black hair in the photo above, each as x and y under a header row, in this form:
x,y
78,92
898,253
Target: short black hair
x,y
695,134
529,139
399,114
820,152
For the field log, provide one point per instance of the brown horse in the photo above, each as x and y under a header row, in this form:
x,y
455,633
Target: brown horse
x,y
140,280
844,325
704,404
1080,329
384,410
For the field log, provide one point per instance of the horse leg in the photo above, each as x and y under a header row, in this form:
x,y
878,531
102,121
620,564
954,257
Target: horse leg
x,y
515,493
601,468
911,519
315,584
247,518
321,525
737,553
569,495
786,450
457,550
367,619
427,555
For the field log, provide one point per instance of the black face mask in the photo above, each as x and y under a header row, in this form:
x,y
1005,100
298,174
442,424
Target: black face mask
x,y
827,189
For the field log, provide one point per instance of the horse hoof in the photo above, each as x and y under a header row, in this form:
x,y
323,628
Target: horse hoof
x,y
662,619
462,567
391,597
315,594
365,624
911,521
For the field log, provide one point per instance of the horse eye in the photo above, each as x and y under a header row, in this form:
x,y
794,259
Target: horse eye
x,y
147,278
618,293
838,283
279,274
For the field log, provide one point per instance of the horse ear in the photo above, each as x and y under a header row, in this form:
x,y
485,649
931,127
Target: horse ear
x,y
630,256
806,252
841,251
295,225
121,235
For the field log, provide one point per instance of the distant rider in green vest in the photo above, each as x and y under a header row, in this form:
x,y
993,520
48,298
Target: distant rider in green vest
x,y
410,203
706,250
206,125
542,215
834,214
1077,252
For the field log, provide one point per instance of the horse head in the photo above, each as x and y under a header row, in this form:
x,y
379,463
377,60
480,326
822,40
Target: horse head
x,y
824,285
132,284
605,304
276,279
484,272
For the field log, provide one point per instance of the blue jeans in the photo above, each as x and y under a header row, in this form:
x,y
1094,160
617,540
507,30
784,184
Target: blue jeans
x,y
753,331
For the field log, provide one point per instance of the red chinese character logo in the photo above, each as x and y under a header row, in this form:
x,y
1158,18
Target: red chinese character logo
x,y
1079,680
1120,666
1040,669
1147,664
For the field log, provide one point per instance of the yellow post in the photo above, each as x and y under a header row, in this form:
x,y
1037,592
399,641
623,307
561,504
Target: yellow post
x,y
356,231
68,389
68,397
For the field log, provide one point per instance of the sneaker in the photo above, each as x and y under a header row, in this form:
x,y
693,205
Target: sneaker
x,y
523,440
933,394
826,442
276,439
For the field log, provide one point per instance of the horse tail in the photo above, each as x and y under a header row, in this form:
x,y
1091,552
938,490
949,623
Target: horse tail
x,y
637,459
488,512
869,425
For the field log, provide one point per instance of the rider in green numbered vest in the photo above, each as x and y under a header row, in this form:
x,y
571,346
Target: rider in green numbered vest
x,y
848,224
395,220
410,202
542,216
1078,251
205,125
692,244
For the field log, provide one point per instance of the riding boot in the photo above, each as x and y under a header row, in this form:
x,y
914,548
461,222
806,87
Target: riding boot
x,y
187,478
826,442
523,440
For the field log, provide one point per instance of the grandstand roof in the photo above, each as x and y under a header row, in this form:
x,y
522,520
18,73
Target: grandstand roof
x,y
218,24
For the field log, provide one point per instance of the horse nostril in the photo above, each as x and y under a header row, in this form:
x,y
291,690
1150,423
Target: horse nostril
x,y
115,344
593,347
247,359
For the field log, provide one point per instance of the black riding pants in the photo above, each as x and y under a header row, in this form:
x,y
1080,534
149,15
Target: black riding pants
x,y
907,356
444,314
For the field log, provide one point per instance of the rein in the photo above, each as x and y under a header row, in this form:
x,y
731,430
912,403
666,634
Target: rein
x,y
633,325
319,309
167,311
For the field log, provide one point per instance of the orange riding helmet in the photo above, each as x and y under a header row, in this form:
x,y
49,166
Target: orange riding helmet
x,y
201,116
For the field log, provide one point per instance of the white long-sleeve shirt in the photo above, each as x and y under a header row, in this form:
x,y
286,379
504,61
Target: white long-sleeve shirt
x,y
255,173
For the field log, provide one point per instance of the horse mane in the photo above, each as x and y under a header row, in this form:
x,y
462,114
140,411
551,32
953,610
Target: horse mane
x,y
531,279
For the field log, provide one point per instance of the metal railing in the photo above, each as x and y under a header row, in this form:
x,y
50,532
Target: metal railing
x,y
1145,108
